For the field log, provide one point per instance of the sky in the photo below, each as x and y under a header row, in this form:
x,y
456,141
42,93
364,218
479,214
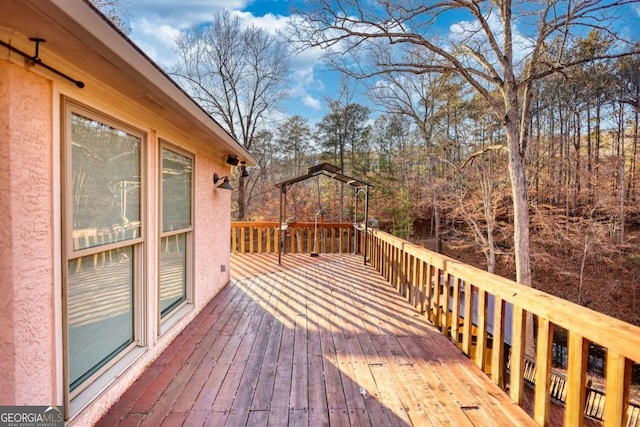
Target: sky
x,y
154,25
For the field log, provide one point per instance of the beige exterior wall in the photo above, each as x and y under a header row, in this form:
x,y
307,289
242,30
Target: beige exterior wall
x,y
30,234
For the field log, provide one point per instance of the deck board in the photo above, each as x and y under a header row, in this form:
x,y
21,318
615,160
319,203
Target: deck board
x,y
312,342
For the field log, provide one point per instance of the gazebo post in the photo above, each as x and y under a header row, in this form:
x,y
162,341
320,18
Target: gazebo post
x,y
366,221
283,207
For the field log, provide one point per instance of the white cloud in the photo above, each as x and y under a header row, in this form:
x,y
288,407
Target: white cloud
x,y
181,14
269,22
157,41
311,102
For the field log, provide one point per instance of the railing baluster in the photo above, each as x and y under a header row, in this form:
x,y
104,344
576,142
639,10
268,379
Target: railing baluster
x,y
542,406
497,352
429,299
455,310
415,281
422,285
437,316
468,319
481,339
516,380
406,274
576,380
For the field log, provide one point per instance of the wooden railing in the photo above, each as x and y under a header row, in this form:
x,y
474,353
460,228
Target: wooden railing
x,y
302,237
458,299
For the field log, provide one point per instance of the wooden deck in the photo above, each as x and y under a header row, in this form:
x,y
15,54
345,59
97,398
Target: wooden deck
x,y
316,341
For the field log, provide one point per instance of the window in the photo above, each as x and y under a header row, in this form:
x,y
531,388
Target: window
x,y
103,234
176,229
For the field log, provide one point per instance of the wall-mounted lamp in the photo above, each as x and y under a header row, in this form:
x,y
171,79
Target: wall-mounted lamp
x,y
232,160
243,170
225,182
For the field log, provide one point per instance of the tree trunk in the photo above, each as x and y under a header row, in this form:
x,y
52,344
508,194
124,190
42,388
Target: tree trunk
x,y
516,140
517,174
621,175
241,200
436,223
589,159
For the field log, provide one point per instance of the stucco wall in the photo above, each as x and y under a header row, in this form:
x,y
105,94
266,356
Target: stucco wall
x,y
212,231
30,256
27,376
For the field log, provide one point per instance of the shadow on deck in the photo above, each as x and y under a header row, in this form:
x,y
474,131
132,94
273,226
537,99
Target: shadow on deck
x,y
316,341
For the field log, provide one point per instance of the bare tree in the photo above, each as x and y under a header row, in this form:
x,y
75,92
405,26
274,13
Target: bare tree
x,y
501,53
237,74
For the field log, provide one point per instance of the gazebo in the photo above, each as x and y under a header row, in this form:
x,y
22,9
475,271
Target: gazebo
x,y
330,171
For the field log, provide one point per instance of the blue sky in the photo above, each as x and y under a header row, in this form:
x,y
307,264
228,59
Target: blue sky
x,y
155,23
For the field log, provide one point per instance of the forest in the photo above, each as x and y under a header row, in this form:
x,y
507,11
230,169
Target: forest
x,y
450,192
509,140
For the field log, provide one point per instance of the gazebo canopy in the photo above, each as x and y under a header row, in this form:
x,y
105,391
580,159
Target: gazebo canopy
x,y
326,169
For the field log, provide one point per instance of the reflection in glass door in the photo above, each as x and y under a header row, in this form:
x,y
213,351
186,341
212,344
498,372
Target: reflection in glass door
x,y
177,200
103,202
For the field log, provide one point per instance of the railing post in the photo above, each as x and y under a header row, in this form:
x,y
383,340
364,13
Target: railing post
x,y
444,329
618,377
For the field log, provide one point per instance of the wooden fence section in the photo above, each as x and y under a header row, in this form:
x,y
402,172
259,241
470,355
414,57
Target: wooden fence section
x,y
302,237
445,289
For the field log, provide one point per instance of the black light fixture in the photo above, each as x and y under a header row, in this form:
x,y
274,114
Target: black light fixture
x,y
225,182
232,160
243,170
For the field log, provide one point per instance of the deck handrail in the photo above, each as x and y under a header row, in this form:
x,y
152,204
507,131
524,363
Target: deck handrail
x,y
300,237
413,271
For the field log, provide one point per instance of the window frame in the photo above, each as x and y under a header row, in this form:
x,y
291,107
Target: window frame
x,y
92,385
179,310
